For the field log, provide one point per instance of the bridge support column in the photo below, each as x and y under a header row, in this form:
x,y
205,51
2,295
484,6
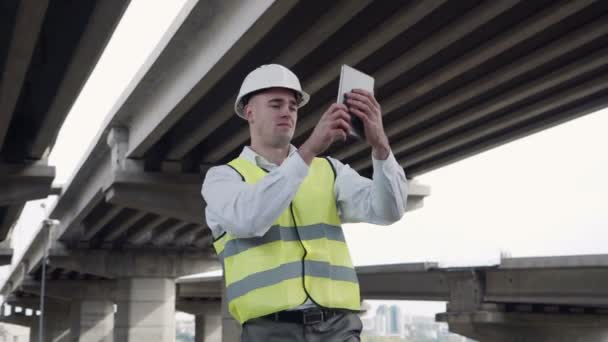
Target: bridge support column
x,y
34,330
208,328
56,326
92,320
146,309
231,329
208,318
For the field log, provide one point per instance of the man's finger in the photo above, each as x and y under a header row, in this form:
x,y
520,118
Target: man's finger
x,y
341,114
361,105
341,123
360,93
339,133
361,115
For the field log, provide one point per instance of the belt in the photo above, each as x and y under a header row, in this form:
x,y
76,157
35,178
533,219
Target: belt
x,y
309,316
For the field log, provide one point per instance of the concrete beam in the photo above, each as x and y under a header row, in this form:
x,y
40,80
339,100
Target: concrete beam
x,y
209,287
30,17
19,319
99,29
487,143
416,281
6,252
71,290
110,264
401,21
495,104
555,280
169,195
494,326
31,259
189,66
511,119
391,104
82,195
199,307
24,182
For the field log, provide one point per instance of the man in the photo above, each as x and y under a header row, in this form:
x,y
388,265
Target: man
x,y
276,213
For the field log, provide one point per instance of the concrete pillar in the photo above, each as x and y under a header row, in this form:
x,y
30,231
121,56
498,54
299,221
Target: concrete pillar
x,y
34,329
92,320
146,309
231,329
208,328
56,322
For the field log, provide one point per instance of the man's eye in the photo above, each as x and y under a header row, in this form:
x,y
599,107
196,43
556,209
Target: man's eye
x,y
275,106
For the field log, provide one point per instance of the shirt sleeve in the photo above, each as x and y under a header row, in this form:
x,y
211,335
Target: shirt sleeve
x,y
248,210
380,200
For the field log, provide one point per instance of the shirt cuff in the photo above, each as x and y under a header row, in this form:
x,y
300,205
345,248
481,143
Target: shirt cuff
x,y
388,165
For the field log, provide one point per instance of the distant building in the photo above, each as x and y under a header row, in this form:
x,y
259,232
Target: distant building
x,y
14,333
395,321
382,320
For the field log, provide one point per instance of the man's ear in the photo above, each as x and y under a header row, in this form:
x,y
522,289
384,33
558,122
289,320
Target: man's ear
x,y
248,112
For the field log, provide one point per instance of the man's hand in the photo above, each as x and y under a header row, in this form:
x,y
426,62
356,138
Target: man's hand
x,y
363,104
333,125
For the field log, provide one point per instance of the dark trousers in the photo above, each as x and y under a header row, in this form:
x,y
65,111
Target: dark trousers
x,y
345,327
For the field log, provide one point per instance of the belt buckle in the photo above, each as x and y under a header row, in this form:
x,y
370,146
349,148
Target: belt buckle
x,y
312,316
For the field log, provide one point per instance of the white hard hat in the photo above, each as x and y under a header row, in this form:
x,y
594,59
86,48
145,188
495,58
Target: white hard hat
x,y
269,76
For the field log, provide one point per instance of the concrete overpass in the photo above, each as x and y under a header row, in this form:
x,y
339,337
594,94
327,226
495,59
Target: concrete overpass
x,y
454,79
47,51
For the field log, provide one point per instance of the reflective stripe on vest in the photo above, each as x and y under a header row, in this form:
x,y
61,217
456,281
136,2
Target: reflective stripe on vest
x,y
303,254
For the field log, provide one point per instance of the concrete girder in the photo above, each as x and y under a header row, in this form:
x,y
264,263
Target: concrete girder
x,y
169,234
20,319
555,280
560,47
22,183
210,287
521,115
115,264
122,228
147,232
69,290
403,63
471,115
416,281
490,142
90,231
8,218
92,42
199,307
28,23
170,195
398,23
81,197
211,32
31,260
492,326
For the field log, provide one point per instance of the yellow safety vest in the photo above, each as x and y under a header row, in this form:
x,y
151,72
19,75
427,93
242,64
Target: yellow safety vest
x,y
303,255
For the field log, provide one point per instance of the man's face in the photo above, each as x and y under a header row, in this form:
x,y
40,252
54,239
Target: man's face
x,y
272,116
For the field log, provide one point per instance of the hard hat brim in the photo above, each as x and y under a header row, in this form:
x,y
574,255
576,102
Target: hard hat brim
x,y
238,105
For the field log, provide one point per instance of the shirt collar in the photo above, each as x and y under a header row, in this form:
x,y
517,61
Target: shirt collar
x,y
251,156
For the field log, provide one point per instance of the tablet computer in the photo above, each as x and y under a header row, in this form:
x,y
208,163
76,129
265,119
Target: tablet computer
x,y
351,78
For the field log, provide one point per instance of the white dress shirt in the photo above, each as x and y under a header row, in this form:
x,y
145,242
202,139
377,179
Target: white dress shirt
x,y
249,210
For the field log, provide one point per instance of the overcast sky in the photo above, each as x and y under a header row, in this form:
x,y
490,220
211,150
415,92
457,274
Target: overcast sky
x,y
542,195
